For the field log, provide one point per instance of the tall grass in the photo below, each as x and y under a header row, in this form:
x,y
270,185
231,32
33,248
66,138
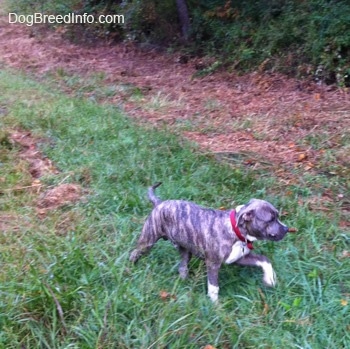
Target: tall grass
x,y
65,279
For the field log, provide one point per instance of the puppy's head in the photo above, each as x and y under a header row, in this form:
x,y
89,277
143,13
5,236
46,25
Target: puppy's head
x,y
259,219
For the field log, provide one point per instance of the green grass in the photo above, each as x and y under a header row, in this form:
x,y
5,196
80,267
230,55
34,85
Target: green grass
x,y
65,279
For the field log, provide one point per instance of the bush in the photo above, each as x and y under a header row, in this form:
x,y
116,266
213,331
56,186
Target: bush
x,y
299,38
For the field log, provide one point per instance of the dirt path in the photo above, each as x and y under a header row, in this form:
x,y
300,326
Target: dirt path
x,y
262,116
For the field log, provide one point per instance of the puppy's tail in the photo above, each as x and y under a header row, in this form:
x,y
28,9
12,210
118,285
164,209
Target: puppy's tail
x,y
151,195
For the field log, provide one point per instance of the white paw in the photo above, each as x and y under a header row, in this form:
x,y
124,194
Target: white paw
x,y
213,292
270,279
269,274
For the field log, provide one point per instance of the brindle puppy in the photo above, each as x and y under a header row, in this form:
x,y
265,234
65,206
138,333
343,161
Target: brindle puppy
x,y
213,235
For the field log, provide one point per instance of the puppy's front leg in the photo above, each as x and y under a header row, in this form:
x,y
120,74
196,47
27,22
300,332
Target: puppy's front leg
x,y
262,262
213,280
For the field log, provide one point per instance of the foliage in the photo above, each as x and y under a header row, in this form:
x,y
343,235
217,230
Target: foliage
x,y
49,7
299,38
154,21
65,278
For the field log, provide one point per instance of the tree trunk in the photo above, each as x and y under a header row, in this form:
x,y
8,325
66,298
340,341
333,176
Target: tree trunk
x,y
183,18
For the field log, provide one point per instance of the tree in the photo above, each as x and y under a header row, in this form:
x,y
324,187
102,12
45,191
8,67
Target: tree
x,y
184,18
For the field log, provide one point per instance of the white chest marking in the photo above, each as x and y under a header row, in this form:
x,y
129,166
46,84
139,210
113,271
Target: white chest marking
x,y
239,250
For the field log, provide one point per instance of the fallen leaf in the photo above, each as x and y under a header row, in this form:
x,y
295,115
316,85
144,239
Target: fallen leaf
x,y
345,254
36,183
249,162
266,309
344,224
302,157
164,295
344,302
209,347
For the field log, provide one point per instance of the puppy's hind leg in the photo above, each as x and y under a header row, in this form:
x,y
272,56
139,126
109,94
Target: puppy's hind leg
x,y
145,242
185,258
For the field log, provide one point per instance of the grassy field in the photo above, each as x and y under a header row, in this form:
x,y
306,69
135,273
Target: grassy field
x,y
65,278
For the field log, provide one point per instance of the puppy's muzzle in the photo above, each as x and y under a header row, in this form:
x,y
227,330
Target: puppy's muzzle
x,y
279,235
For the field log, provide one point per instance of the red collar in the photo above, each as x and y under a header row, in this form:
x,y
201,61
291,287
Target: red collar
x,y
238,232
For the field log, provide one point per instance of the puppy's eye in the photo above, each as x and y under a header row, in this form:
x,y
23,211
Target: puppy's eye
x,y
273,218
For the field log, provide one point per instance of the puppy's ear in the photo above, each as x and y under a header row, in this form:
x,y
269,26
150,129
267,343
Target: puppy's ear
x,y
245,216
249,215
